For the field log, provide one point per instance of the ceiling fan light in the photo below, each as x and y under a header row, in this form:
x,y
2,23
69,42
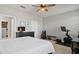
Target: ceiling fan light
x,y
42,9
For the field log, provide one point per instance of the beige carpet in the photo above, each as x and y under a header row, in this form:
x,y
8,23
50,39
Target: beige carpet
x,y
60,49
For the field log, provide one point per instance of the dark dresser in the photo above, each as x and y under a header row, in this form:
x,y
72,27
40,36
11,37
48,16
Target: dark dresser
x,y
24,34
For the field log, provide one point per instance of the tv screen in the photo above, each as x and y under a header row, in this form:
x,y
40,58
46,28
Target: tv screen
x,y
21,28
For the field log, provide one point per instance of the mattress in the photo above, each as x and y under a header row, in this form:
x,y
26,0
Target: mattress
x,y
26,45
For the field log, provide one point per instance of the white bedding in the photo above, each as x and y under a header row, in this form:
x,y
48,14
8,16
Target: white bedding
x,y
26,45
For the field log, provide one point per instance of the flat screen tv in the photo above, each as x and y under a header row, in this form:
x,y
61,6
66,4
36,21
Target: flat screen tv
x,y
21,28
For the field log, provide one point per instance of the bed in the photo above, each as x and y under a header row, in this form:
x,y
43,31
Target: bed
x,y
26,45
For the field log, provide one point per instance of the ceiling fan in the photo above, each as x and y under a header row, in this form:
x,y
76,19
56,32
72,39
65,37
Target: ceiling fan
x,y
43,7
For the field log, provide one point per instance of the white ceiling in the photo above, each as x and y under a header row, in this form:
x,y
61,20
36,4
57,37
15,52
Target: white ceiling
x,y
58,9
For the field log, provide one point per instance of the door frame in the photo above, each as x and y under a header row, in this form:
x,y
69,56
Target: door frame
x,y
13,25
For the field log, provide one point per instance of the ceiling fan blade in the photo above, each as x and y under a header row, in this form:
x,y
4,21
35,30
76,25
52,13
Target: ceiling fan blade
x,y
36,5
46,9
50,5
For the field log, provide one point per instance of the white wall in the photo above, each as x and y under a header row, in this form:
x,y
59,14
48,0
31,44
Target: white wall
x,y
35,22
69,19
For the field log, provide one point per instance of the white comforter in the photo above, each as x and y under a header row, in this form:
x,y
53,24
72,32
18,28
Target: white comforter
x,y
26,45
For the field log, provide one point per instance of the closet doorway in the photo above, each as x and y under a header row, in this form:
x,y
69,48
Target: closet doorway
x,y
6,27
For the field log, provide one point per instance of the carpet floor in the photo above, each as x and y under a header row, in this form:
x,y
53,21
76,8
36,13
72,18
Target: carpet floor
x,y
60,49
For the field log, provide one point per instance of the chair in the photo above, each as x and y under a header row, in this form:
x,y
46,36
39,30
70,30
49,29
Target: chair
x,y
43,35
67,39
